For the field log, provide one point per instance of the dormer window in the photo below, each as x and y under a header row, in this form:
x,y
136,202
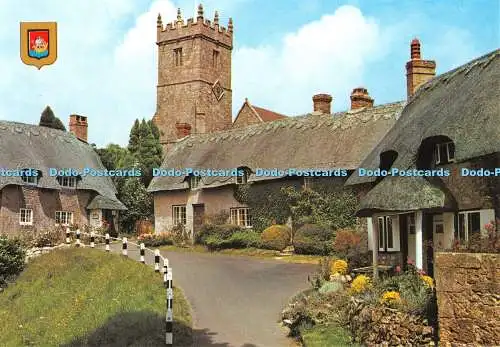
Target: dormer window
x,y
67,181
30,176
243,179
444,153
194,182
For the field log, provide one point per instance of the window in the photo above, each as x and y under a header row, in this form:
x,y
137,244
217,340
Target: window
x,y
30,176
215,59
240,216
444,153
194,182
388,233
307,183
410,223
179,214
64,218
25,216
468,223
178,56
67,181
437,224
243,179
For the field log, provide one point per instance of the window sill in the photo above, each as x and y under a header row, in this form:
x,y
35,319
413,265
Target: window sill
x,y
26,224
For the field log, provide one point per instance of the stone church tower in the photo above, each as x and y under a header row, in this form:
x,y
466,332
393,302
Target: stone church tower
x,y
194,77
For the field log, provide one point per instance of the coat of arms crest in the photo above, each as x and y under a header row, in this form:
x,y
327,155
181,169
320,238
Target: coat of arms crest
x,y
38,43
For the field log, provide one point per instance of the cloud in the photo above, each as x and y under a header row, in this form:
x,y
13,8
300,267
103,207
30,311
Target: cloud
x,y
327,55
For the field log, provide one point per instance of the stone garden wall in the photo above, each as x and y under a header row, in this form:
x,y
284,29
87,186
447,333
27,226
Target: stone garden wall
x,y
468,295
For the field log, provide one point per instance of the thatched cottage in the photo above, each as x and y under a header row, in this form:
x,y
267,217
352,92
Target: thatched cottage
x,y
28,202
451,124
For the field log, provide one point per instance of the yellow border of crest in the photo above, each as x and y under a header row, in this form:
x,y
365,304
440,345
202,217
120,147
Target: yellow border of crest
x,y
52,57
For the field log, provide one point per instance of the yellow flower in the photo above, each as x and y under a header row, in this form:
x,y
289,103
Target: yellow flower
x,y
339,267
429,282
390,298
360,284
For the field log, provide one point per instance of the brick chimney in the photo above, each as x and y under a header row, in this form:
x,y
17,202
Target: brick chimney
x,y
78,125
322,103
418,71
183,130
360,98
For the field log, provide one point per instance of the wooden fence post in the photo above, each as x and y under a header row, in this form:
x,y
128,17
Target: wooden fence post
x,y
157,260
142,253
92,239
67,236
77,237
107,242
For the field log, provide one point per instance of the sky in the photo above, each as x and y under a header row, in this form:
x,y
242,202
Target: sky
x,y
285,51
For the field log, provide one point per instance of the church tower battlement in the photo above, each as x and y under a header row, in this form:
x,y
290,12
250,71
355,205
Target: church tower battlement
x,y
194,76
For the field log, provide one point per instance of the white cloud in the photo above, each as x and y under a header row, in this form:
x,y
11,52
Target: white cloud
x,y
328,55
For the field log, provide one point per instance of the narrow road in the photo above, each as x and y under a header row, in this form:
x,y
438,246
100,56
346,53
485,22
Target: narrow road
x,y
236,300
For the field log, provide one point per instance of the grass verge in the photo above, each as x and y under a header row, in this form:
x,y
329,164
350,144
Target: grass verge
x,y
249,252
322,335
75,297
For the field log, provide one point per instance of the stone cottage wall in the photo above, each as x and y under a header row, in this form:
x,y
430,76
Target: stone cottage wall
x,y
468,294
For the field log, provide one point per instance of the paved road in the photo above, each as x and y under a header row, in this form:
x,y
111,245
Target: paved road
x,y
236,300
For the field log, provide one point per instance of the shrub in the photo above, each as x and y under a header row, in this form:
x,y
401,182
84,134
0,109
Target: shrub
x,y
346,241
179,235
223,231
276,237
339,266
217,218
332,286
312,239
155,240
360,284
239,239
49,238
428,281
12,257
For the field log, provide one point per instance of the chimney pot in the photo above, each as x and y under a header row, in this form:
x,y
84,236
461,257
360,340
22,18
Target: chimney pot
x,y
418,71
183,130
322,103
360,98
78,126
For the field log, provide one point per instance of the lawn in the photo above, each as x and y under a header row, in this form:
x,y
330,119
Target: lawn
x,y
74,297
321,336
249,252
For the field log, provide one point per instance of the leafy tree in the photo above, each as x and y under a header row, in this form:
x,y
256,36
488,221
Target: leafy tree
x,y
49,120
139,202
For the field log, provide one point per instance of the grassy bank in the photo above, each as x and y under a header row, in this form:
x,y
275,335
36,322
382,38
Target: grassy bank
x,y
75,297
249,252
321,336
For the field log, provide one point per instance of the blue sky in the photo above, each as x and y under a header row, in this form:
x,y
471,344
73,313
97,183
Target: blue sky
x,y
284,52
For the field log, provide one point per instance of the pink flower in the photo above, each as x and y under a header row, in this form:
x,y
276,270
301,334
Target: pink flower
x,y
398,269
410,261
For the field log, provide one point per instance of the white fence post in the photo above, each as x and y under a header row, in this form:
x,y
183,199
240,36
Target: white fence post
x,y
157,260
77,237
67,236
169,322
107,242
124,246
142,253
92,240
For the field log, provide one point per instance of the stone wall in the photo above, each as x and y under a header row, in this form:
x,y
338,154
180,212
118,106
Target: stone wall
x,y
468,287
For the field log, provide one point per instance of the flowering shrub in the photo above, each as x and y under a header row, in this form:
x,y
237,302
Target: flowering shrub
x,y
391,298
487,241
154,240
339,266
360,284
346,241
428,281
276,237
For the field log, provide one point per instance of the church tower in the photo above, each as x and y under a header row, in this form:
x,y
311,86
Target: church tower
x,y
194,77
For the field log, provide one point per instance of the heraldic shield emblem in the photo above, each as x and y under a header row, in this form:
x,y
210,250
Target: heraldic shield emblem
x,y
38,43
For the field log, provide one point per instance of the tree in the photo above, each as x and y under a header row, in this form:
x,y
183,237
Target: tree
x,y
149,153
154,129
134,137
139,203
49,120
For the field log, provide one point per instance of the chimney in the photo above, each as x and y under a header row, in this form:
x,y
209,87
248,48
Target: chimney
x,y
360,98
78,126
418,71
322,103
183,130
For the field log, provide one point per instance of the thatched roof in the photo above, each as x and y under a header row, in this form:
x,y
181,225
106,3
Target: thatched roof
x,y
461,104
340,140
24,146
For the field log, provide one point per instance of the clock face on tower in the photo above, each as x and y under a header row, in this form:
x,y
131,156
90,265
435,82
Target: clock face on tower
x,y
218,90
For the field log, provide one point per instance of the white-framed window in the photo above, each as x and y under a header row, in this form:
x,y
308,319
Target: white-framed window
x,y
25,216
67,181
307,182
388,233
194,182
468,223
437,224
30,179
64,218
179,214
444,153
243,179
410,223
240,216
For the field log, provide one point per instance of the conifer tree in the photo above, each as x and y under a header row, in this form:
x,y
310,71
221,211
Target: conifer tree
x,y
134,137
49,120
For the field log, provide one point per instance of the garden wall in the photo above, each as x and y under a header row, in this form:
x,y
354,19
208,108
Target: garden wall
x,y
468,295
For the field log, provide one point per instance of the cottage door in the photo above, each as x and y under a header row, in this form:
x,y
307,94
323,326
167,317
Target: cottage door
x,y
198,216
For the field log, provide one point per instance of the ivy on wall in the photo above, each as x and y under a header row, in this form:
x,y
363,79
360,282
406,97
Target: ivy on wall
x,y
327,204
